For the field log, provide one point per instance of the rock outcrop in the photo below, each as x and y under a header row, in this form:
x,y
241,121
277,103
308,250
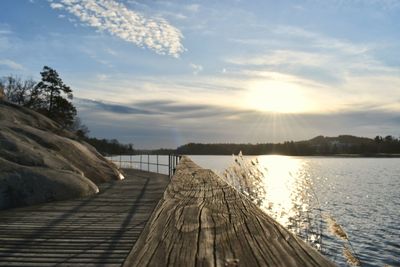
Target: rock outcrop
x,y
40,162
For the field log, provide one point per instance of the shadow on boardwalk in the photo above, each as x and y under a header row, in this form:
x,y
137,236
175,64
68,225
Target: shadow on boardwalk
x,y
97,230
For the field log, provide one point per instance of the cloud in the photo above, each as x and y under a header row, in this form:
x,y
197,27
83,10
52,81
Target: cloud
x,y
94,105
11,64
108,15
102,77
111,51
321,41
332,72
56,6
5,32
168,108
193,7
182,110
196,68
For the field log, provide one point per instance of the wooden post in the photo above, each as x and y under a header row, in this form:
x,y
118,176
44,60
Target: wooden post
x,y
157,163
169,165
173,164
120,161
140,161
148,162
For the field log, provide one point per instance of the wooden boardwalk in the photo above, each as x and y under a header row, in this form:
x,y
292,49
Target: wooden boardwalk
x,y
92,231
203,221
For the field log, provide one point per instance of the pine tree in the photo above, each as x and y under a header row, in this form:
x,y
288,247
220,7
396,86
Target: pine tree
x,y
56,104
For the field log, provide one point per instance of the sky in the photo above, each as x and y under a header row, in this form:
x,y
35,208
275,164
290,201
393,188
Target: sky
x,y
163,73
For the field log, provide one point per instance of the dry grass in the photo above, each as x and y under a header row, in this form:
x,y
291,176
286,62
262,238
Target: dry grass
x,y
247,178
348,251
352,260
335,228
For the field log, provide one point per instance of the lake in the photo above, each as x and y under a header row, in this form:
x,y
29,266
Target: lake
x,y
361,194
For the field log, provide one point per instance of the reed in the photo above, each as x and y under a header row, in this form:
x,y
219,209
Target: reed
x,y
348,250
335,228
352,260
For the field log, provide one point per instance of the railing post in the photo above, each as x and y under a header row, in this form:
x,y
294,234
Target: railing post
x,y
173,164
173,161
157,162
169,165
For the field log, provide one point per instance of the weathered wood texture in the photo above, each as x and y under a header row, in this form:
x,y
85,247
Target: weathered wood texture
x,y
203,221
92,231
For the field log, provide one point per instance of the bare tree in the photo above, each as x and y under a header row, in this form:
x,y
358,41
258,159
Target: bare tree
x,y
17,90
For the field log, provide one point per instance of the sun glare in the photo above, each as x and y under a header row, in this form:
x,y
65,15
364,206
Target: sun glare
x,y
277,96
283,181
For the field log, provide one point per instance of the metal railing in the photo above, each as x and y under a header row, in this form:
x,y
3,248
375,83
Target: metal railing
x,y
165,164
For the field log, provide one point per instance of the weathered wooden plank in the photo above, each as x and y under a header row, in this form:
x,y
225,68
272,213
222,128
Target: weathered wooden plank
x,y
44,264
203,221
92,231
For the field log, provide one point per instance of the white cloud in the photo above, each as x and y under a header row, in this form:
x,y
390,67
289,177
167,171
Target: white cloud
x,y
5,32
102,77
56,6
108,15
321,41
196,68
111,51
11,64
193,7
282,57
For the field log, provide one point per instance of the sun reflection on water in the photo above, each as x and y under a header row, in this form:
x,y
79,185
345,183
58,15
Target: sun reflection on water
x,y
282,184
282,187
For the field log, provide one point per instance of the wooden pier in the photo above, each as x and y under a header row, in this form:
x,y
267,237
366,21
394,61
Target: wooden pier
x,y
199,220
203,221
92,231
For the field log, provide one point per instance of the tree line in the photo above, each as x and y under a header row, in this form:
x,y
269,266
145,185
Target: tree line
x,y
53,98
324,146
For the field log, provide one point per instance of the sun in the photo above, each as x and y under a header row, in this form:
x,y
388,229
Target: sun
x,y
277,96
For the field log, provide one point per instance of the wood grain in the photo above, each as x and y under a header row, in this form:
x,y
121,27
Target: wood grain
x,y
92,231
203,221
